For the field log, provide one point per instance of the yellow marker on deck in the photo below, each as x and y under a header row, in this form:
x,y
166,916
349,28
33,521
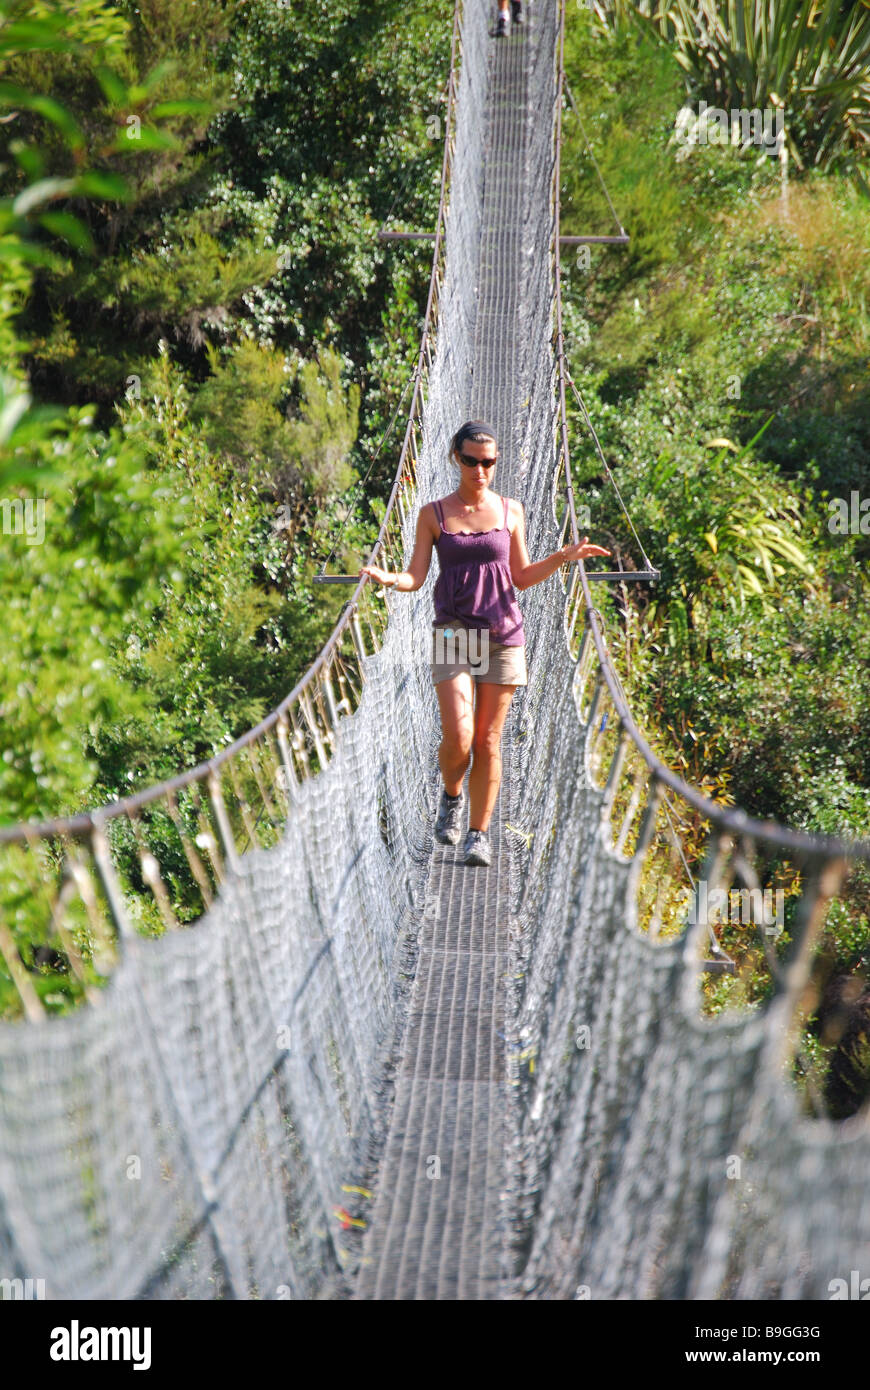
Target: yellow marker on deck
x,y
347,1220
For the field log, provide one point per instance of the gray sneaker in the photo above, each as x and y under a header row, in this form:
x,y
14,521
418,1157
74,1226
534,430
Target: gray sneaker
x,y
448,826
477,849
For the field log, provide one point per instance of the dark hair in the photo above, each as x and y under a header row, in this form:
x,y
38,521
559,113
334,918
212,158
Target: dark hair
x,y
477,431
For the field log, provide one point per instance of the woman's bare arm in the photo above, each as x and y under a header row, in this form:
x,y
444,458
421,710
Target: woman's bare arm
x,y
415,575
524,572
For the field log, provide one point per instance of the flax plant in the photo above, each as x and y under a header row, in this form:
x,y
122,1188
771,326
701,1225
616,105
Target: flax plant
x,y
809,57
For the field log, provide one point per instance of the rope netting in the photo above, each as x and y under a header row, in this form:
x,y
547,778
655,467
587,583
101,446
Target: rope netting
x,y
191,1128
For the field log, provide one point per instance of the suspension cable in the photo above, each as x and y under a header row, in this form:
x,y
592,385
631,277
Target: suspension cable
x,y
374,460
592,156
648,563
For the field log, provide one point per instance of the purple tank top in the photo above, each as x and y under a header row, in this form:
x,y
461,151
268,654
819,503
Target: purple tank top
x,y
475,586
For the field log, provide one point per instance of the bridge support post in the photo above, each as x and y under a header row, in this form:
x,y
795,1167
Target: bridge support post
x,y
231,854
356,633
287,762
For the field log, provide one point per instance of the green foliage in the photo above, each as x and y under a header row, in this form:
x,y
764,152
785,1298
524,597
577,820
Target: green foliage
x,y
259,227
738,536
327,425
112,535
131,274
90,537
303,456
184,291
223,648
256,471
809,57
263,220
329,134
638,172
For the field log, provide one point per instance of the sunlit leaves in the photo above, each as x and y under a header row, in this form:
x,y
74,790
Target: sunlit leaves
x,y
811,57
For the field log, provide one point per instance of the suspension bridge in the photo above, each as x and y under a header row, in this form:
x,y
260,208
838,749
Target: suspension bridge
x,y
350,1067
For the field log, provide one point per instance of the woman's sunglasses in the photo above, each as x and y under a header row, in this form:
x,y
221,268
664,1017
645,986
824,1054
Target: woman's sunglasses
x,y
475,463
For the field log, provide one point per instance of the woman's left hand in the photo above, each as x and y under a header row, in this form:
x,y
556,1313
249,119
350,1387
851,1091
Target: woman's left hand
x,y
583,550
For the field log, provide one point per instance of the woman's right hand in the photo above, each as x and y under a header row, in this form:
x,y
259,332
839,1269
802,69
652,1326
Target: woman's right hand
x,y
381,576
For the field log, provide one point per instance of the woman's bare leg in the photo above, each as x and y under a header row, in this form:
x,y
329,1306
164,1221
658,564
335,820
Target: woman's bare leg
x,y
455,698
490,713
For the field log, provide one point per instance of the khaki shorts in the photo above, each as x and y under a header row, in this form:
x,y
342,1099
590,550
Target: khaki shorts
x,y
456,648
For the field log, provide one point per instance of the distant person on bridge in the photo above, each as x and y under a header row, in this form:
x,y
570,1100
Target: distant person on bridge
x,y
504,17
478,642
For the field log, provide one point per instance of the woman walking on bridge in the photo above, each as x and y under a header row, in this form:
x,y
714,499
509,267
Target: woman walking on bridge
x,y
478,637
